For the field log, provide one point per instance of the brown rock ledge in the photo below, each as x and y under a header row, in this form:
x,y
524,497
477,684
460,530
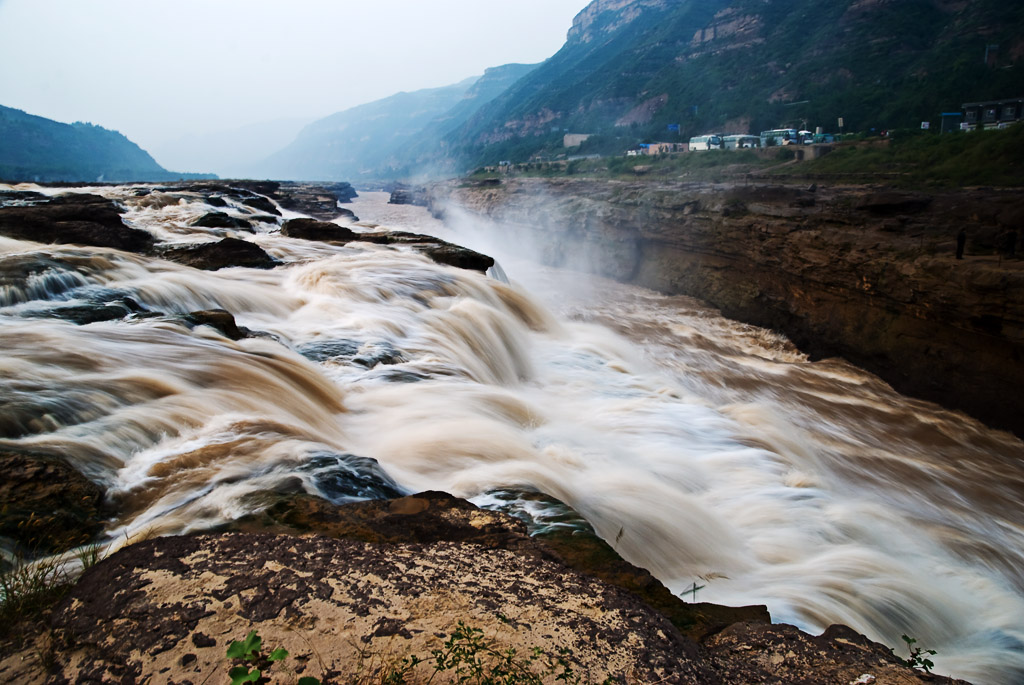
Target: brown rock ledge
x,y
165,610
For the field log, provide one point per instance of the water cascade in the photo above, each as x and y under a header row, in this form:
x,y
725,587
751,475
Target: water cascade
x,y
707,450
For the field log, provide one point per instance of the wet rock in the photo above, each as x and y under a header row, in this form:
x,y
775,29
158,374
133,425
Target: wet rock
x,y
455,255
47,506
408,195
221,220
423,518
220,319
759,653
324,350
311,229
73,219
216,201
82,314
372,354
21,198
262,204
265,218
221,255
439,250
347,477
318,200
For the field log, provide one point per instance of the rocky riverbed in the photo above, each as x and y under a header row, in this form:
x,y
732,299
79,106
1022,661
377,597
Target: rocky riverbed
x,y
862,272
343,587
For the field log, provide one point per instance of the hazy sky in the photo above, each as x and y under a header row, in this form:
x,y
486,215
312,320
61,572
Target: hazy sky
x,y
160,70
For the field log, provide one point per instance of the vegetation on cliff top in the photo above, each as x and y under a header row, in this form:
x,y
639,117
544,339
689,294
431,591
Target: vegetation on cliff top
x,y
907,159
711,65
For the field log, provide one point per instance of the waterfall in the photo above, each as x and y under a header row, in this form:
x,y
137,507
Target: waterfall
x,y
704,450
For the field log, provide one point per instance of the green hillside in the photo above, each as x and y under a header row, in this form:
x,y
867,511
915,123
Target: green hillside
x,y
631,69
34,148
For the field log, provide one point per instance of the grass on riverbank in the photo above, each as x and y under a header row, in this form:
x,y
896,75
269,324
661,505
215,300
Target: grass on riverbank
x,y
907,158
993,158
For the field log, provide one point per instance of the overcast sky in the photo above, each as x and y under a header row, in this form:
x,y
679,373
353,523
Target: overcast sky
x,y
161,70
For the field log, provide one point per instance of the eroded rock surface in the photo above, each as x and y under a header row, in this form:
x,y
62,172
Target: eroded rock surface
x,y
77,219
46,505
388,579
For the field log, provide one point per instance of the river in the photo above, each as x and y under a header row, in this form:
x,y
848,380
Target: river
x,y
707,451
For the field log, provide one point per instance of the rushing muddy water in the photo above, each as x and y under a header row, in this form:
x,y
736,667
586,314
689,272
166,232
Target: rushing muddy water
x,y
708,451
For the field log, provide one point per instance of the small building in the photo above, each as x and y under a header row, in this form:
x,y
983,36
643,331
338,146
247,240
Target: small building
x,y
574,139
992,113
659,148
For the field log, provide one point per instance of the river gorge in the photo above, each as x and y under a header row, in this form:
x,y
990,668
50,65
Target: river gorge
x,y
765,469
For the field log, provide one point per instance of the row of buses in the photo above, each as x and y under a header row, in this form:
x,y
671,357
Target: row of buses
x,y
779,136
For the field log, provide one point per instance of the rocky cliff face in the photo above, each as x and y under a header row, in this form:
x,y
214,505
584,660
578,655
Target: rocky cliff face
x,y
865,273
606,16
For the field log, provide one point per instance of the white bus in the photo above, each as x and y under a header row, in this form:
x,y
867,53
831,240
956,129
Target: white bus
x,y
735,142
708,142
780,136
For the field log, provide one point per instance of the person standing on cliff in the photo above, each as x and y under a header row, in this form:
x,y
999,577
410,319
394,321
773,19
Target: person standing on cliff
x,y
961,240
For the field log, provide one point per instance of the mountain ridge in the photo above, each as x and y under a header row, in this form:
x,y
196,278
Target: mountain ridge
x,y
632,68
43,150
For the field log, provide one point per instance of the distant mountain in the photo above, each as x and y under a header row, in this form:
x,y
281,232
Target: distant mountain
x,y
631,68
389,138
34,148
229,153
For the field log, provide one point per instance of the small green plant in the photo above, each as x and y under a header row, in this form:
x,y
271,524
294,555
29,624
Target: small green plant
x,y
916,660
468,657
256,662
29,589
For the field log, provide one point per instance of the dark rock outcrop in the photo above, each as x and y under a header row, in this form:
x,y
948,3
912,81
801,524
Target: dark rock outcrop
x,y
439,250
220,319
74,219
408,195
221,220
47,506
221,255
262,204
861,273
318,200
311,229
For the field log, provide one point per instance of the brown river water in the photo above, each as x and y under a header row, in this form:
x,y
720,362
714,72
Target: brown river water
x,y
708,451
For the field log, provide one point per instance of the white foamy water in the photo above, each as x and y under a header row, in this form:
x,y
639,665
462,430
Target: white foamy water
x,y
707,451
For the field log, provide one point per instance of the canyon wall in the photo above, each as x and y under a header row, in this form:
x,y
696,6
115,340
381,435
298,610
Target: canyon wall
x,y
865,273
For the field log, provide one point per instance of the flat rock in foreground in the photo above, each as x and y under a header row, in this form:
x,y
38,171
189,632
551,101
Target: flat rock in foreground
x,y
353,605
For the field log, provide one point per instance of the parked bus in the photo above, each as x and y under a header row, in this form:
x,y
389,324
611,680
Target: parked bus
x,y
740,141
708,142
780,136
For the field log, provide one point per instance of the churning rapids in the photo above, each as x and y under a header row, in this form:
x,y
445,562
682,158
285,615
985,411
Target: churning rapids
x,y
706,451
